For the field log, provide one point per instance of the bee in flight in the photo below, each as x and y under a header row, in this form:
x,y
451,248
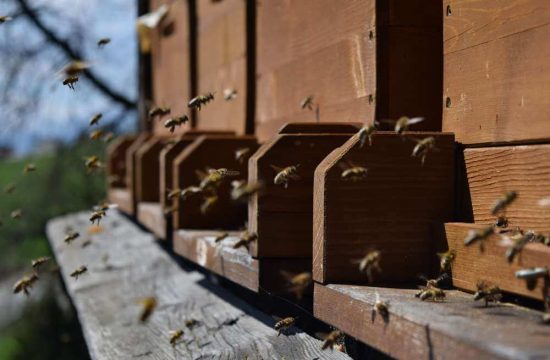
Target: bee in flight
x,y
433,283
79,271
175,335
159,112
201,100
191,323
70,237
369,264
172,194
245,239
38,262
479,236
423,147
102,42
446,260
16,214
95,119
172,123
97,216
516,243
25,283
284,324
74,68
307,103
148,305
331,340
10,188
403,123
209,203
92,163
284,175
229,94
487,292
70,82
169,210
503,202
190,190
96,134
297,283
531,276
241,154
220,237
353,172
242,190
30,167
5,18
213,179
108,137
367,132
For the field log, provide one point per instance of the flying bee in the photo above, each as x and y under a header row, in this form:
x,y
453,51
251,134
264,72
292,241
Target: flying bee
x,y
298,283
487,292
431,293
79,271
108,137
284,175
501,222
190,190
97,216
172,123
479,236
96,134
367,132
159,112
201,100
532,275
214,177
70,237
92,163
175,335
242,190
38,262
503,202
370,263
172,194
220,237
307,103
284,324
191,323
423,147
446,260
102,42
209,203
352,172
516,243
30,167
86,243
25,283
332,339
148,305
382,308
169,210
5,18
229,94
74,68
95,119
10,188
70,81
16,214
241,154
245,239
403,123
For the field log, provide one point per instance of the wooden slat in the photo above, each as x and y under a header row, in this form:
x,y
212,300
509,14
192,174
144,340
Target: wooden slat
x,y
498,91
496,170
116,160
320,128
151,216
147,170
395,209
471,265
131,167
167,157
171,63
458,328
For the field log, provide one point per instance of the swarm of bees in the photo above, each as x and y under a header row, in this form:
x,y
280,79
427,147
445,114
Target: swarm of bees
x,y
201,100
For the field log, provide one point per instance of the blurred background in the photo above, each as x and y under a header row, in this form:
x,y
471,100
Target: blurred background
x,y
46,123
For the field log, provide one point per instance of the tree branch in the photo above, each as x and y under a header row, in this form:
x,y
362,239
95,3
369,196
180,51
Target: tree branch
x,y
75,55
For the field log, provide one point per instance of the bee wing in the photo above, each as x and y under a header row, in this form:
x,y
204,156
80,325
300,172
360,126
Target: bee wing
x,y
287,275
201,174
442,277
277,168
505,240
415,120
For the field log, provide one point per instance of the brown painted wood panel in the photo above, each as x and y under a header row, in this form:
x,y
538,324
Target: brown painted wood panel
x,y
171,63
167,157
458,328
222,63
494,171
468,23
116,161
396,209
131,167
148,170
151,216
499,91
471,265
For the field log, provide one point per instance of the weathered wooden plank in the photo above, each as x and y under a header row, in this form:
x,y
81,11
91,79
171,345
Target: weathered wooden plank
x,y
471,265
468,23
151,215
131,168
498,91
496,170
458,328
395,209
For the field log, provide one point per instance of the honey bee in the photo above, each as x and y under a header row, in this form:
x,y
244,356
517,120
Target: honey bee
x,y
159,112
201,100
10,188
423,147
298,283
175,335
79,271
307,103
16,214
102,42
38,262
220,237
92,163
95,119
370,263
431,293
532,275
5,18
209,203
284,175
353,173
30,167
241,154
446,260
245,239
284,324
433,283
403,123
191,323
70,237
503,202
229,94
516,243
148,305
70,81
487,292
215,177
74,68
169,210
479,236
172,123
108,137
86,243
172,194
25,283
97,216
242,190
96,134
382,308
367,132
190,190
332,339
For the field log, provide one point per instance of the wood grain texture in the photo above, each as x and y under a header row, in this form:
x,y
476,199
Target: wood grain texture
x,y
122,198
210,151
171,63
167,157
471,265
148,170
282,218
116,160
222,63
458,328
151,216
499,90
494,171
131,168
107,302
395,209
475,22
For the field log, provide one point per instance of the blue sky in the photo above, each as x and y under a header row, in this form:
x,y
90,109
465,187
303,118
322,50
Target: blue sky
x,y
56,111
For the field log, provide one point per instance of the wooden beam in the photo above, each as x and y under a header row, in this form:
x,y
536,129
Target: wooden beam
x,y
131,168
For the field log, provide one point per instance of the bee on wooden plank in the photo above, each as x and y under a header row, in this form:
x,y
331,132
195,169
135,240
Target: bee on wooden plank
x,y
208,203
159,111
25,283
175,335
479,236
220,237
297,283
229,94
284,324
423,147
487,292
503,202
431,293
16,214
30,167
95,119
367,132
245,240
446,260
172,123
516,242
403,123
102,42
10,188
70,82
191,323
70,237
352,172
190,190
431,283
201,100
284,175
334,339
148,305
38,262
382,308
307,102
5,19
369,264
241,190
242,154
79,271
